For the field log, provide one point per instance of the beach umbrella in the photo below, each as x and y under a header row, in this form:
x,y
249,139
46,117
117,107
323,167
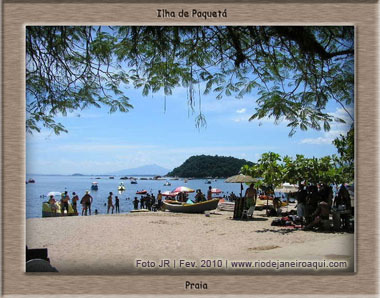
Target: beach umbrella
x,y
287,188
183,189
216,190
169,194
54,194
241,179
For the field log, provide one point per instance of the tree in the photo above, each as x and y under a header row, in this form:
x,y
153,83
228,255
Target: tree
x,y
274,170
295,70
346,150
268,169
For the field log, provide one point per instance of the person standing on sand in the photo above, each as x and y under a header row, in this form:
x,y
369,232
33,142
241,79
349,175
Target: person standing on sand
x,y
86,203
110,204
209,193
65,203
136,203
117,207
159,200
74,199
251,197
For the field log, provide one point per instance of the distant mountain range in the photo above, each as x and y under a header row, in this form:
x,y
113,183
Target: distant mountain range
x,y
144,170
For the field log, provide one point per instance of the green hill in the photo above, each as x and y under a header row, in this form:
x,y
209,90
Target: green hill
x,y
201,166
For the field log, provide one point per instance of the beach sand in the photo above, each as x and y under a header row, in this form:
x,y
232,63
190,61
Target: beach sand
x,y
113,244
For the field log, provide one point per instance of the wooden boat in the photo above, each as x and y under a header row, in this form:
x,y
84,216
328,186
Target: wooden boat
x,y
191,208
141,192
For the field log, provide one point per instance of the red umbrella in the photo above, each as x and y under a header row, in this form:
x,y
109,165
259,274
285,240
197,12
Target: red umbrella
x,y
216,190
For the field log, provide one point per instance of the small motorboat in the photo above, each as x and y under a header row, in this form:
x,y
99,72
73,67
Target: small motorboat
x,y
167,183
208,182
191,208
112,177
31,181
133,181
141,192
94,186
121,187
123,178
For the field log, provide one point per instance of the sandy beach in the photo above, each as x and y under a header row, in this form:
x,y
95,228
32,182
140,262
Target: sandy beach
x,y
115,244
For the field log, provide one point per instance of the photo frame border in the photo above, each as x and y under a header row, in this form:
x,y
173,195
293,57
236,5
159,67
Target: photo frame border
x,y
18,14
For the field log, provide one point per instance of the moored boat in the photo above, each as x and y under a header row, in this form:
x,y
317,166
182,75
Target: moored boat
x,y
121,187
167,183
141,192
133,181
31,181
191,208
94,186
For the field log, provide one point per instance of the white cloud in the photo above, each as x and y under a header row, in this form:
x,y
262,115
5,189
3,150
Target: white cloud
x,y
241,111
336,129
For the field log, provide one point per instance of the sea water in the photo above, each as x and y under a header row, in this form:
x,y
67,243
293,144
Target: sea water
x,y
36,193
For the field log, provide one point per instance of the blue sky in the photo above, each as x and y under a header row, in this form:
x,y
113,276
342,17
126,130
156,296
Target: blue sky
x,y
100,143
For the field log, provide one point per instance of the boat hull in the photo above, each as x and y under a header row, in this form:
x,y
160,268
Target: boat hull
x,y
192,208
48,212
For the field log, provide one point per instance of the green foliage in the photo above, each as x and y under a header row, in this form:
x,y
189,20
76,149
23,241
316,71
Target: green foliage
x,y
202,166
294,70
346,150
274,170
267,168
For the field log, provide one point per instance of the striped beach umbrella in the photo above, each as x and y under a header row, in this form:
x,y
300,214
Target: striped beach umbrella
x,y
183,189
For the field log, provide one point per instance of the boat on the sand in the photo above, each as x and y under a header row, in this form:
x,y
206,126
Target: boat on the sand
x,y
200,207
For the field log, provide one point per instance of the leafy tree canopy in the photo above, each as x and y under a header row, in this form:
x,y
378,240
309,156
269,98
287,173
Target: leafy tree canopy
x,y
274,170
295,71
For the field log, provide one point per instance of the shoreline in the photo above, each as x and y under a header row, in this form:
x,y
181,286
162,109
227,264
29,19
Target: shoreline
x,y
112,244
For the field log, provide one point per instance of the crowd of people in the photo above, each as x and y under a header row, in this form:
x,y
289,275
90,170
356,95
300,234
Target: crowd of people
x,y
316,202
148,202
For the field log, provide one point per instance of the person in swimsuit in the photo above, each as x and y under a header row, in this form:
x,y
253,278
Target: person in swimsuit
x,y
65,203
209,193
110,204
251,197
117,206
86,203
74,200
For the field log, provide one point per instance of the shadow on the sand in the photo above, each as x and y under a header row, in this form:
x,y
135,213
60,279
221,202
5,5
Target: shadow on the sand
x,y
251,219
280,231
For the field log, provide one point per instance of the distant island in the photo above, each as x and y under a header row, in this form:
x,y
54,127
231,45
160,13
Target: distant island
x,y
152,169
77,174
202,166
